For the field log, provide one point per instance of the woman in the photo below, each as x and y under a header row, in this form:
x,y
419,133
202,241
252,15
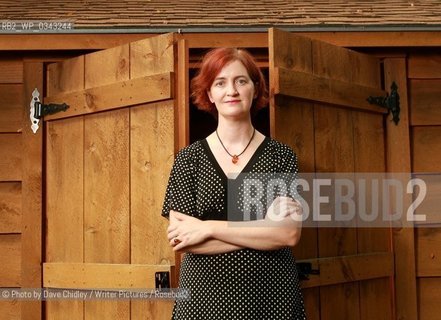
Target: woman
x,y
245,269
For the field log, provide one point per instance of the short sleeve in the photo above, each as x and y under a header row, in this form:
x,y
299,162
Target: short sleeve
x,y
289,169
180,193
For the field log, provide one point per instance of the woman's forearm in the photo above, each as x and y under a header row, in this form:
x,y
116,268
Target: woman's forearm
x,y
212,246
259,235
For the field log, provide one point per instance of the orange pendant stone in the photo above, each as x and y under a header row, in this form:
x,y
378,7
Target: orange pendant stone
x,y
235,159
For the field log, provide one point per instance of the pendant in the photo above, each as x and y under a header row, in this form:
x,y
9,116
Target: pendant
x,y
234,159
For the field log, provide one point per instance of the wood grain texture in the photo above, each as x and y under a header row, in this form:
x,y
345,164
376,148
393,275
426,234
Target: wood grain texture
x,y
429,291
426,149
151,155
425,105
66,76
32,201
106,167
315,88
101,275
424,66
398,160
11,108
10,207
428,251
10,251
152,56
11,70
11,159
114,95
11,310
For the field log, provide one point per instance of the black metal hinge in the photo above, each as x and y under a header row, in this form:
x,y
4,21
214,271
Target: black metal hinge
x,y
391,102
39,110
162,280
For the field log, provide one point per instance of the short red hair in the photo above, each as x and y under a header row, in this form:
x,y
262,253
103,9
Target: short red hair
x,y
212,64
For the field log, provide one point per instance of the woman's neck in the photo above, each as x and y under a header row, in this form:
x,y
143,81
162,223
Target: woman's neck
x,y
234,132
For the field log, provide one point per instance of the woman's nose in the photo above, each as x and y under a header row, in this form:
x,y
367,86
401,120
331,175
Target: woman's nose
x,y
232,91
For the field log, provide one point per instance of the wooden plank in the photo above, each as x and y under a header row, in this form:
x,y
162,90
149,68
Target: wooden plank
x,y
376,299
334,307
93,41
345,269
428,249
314,88
101,275
10,207
66,76
182,103
11,108
115,95
152,56
345,65
426,149
424,66
32,198
64,205
10,251
311,302
113,65
151,154
11,159
10,309
398,160
106,164
425,105
429,291
11,71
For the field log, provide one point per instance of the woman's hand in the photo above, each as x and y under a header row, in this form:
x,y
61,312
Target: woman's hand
x,y
186,231
282,208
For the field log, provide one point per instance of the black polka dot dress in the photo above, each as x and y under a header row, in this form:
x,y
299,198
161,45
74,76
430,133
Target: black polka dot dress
x,y
244,284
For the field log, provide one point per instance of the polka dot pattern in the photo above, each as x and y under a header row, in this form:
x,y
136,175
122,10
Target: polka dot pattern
x,y
243,284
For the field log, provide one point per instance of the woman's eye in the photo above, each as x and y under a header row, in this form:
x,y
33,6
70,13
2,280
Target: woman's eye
x,y
219,84
241,81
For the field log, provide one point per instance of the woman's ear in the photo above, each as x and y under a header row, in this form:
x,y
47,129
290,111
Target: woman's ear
x,y
209,96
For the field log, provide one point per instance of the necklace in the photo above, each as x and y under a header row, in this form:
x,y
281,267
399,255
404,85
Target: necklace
x,y
235,157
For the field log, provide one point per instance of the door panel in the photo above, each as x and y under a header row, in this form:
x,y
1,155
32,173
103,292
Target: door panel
x,y
108,160
318,107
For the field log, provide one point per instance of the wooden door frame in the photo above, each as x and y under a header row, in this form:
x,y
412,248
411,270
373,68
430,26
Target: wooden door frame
x,y
32,194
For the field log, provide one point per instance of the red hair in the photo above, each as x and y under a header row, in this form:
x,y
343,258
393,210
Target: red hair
x,y
212,64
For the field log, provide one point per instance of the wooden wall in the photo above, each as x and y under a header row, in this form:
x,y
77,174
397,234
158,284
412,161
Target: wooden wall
x,y
11,107
424,77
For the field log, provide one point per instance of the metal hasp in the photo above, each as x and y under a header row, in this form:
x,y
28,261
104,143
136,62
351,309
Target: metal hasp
x,y
162,280
39,110
304,269
391,102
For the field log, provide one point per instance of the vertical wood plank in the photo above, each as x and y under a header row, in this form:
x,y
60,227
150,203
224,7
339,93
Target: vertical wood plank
x,y
10,207
106,67
11,108
32,196
11,146
151,154
11,70
64,204
106,200
398,160
107,162
426,149
152,150
429,291
66,76
10,251
152,56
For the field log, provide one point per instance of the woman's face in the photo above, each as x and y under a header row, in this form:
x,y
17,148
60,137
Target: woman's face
x,y
232,91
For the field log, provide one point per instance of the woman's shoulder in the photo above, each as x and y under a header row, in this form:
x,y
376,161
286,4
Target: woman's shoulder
x,y
279,148
191,152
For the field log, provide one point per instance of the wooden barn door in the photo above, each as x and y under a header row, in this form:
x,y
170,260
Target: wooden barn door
x,y
319,107
108,158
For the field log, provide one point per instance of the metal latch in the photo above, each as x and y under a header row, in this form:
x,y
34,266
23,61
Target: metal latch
x,y
162,280
304,269
39,110
391,102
